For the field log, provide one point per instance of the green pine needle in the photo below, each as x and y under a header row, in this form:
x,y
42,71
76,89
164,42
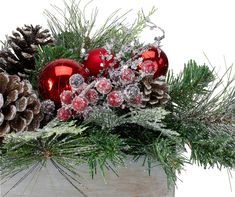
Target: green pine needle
x,y
77,32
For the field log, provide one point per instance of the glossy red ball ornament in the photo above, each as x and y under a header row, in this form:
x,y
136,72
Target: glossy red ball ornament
x,y
98,61
159,61
54,78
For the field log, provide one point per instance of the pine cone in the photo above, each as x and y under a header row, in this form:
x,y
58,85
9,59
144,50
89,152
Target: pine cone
x,y
19,106
18,55
154,92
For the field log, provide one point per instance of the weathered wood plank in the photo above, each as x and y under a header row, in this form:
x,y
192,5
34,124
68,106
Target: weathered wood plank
x,y
133,181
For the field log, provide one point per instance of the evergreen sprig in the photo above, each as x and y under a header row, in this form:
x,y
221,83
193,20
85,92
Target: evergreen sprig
x,y
77,31
169,154
203,108
66,146
209,149
190,84
147,118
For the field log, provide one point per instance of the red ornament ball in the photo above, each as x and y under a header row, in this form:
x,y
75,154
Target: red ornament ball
x,y
115,99
98,60
155,60
54,78
79,104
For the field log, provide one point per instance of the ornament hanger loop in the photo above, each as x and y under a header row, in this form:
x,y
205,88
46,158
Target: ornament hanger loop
x,y
153,26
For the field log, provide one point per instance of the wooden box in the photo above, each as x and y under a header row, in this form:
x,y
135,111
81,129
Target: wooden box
x,y
132,181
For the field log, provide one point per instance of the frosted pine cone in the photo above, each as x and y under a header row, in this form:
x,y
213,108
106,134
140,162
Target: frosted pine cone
x,y
17,57
19,106
155,91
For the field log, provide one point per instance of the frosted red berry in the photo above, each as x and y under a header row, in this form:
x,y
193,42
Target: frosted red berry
x,y
103,86
127,75
48,107
66,97
81,88
63,114
130,92
115,99
137,100
149,67
159,58
92,96
79,104
76,80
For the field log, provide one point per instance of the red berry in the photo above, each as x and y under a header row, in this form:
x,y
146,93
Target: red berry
x,y
104,86
79,104
76,80
66,97
131,91
149,67
81,88
127,75
159,58
115,99
136,100
63,114
92,96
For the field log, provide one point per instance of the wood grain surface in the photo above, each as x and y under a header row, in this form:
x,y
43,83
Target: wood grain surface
x,y
132,181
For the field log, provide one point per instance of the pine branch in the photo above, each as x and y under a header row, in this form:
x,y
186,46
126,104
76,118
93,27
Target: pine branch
x,y
187,87
147,118
203,113
167,152
77,32
66,144
209,148
197,95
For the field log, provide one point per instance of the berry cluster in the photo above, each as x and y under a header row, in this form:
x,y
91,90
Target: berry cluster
x,y
83,98
118,86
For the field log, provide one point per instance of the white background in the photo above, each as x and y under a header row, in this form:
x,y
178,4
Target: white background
x,y
192,26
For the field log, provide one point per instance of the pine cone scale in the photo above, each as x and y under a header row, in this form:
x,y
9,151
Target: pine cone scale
x,y
154,91
1,118
28,115
4,129
1,100
3,81
18,124
11,97
9,112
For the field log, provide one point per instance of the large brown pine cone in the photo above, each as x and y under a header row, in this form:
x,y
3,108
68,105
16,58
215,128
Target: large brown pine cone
x,y
155,92
17,57
19,106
